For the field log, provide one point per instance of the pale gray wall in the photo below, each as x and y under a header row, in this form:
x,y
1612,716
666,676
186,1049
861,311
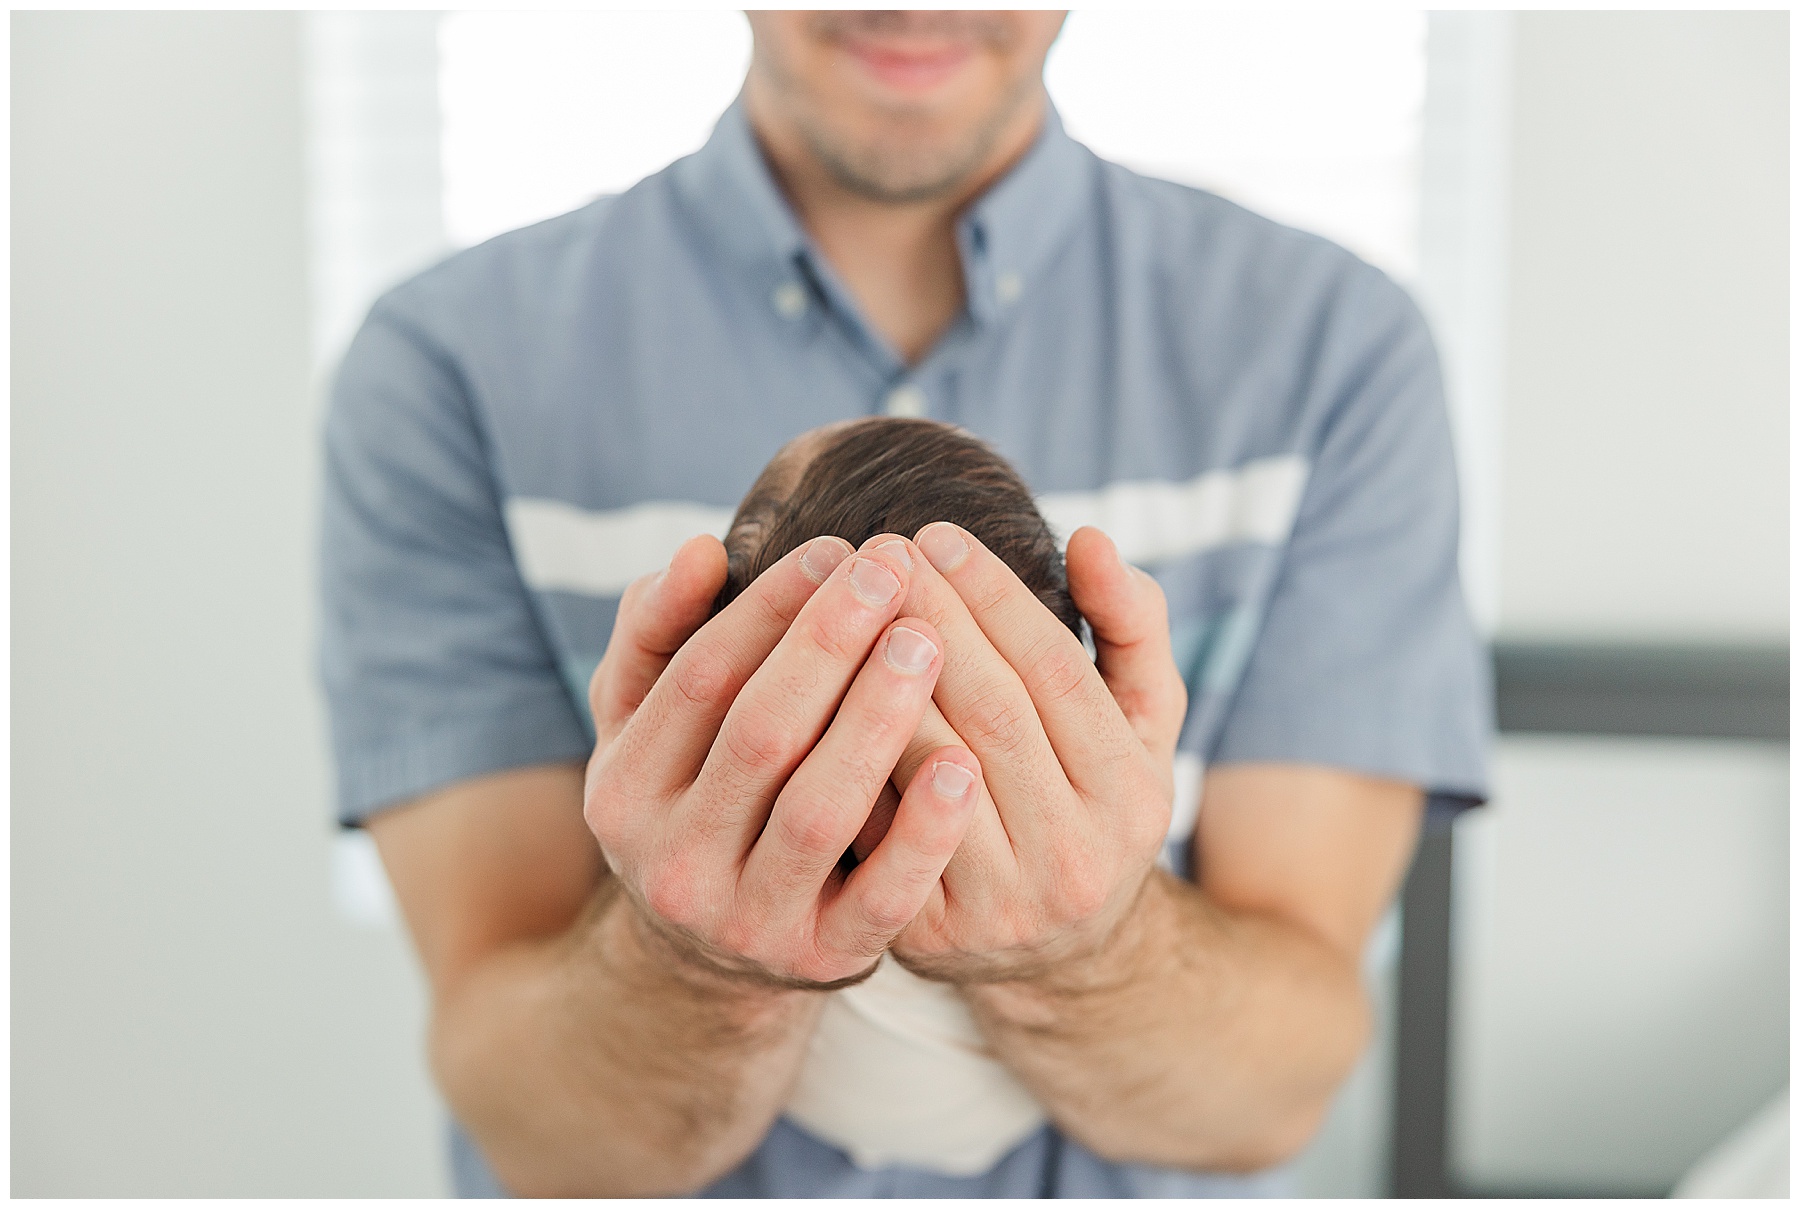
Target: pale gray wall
x,y
1622,905
1621,977
189,1017
1645,443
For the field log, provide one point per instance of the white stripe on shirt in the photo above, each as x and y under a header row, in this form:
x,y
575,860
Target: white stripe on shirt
x,y
560,547
1155,522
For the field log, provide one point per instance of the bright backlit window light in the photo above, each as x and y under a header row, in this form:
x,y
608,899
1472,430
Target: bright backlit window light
x,y
544,111
1311,118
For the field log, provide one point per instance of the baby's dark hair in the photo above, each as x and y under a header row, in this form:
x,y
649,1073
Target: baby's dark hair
x,y
886,475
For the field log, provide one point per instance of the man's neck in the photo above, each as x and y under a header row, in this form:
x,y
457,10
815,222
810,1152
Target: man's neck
x,y
899,259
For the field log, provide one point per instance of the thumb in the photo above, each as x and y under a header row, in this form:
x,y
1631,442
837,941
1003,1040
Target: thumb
x,y
656,615
1130,619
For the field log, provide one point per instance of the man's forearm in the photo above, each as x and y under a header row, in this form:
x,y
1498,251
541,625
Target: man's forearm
x,y
596,1064
1200,1039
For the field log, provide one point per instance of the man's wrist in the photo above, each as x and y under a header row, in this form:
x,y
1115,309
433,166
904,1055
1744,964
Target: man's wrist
x,y
645,944
641,954
1130,958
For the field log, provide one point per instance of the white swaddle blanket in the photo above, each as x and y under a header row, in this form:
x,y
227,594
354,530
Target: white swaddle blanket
x,y
899,1074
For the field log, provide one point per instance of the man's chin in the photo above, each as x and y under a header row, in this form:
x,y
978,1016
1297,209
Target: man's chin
x,y
898,184
903,160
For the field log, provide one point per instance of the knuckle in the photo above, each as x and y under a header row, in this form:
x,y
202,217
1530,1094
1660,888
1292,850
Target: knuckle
x,y
741,937
770,615
861,768
1015,929
759,741
671,892
596,690
1150,823
1087,898
701,677
842,636
936,841
1148,829
810,825
1062,670
886,911
999,722
603,821
1123,752
1081,889
866,729
607,809
989,592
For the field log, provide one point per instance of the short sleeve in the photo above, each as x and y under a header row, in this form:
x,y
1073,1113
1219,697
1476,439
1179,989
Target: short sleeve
x,y
434,663
1367,658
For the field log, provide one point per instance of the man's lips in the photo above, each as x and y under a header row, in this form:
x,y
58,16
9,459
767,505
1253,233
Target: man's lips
x,y
908,68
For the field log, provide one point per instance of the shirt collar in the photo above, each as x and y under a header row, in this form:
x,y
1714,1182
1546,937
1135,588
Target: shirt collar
x,y
1011,232
730,191
1006,237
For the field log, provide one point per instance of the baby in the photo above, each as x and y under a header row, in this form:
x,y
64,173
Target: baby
x,y
858,478
898,1072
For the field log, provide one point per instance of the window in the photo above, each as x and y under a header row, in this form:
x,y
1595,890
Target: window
x,y
1314,119
544,111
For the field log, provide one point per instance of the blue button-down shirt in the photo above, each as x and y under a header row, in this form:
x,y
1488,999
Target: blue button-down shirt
x,y
1254,415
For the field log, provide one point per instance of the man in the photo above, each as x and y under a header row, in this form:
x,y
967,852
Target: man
x,y
891,219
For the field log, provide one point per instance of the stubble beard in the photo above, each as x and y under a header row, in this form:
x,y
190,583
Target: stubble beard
x,y
899,171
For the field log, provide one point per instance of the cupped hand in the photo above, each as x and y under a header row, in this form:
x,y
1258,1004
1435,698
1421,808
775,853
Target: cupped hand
x,y
1076,755
738,759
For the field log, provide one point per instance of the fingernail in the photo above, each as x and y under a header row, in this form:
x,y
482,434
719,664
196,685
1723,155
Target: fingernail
x,y
944,546
909,651
874,583
822,556
898,546
951,780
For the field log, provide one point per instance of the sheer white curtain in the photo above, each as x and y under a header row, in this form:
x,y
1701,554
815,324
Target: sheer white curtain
x,y
376,189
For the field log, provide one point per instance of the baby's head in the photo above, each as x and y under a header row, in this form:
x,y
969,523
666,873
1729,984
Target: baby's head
x,y
860,478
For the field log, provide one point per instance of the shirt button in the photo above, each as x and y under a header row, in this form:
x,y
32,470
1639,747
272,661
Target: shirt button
x,y
789,299
907,402
1008,287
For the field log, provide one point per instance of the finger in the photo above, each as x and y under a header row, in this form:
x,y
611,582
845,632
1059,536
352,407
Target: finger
x,y
656,615
1085,728
988,706
824,804
667,740
933,732
1129,616
881,817
782,710
985,862
900,879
